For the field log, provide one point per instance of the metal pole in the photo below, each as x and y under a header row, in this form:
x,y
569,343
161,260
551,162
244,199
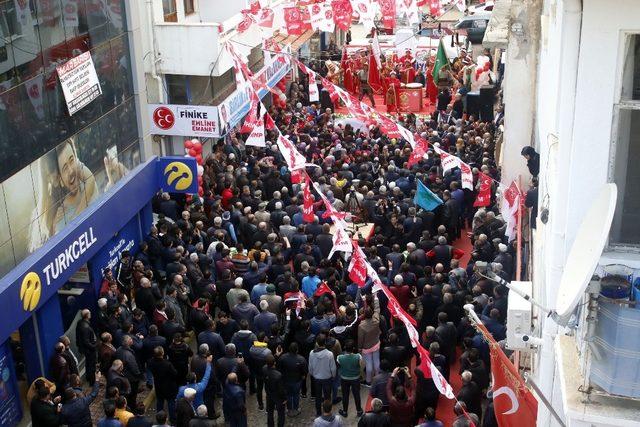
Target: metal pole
x,y
519,234
543,399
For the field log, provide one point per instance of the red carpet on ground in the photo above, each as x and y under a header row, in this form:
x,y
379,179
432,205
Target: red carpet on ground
x,y
427,108
445,406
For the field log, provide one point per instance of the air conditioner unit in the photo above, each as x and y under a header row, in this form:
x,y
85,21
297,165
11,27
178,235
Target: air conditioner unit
x,y
519,317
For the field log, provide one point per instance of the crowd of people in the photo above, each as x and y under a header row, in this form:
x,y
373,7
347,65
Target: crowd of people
x,y
233,296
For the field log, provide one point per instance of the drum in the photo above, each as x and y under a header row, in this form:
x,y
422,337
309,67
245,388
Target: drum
x,y
413,85
403,85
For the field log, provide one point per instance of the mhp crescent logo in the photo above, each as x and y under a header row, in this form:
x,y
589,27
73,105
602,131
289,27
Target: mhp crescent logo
x,y
30,291
178,174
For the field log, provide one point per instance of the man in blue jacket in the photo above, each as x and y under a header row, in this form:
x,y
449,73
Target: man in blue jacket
x,y
198,387
76,412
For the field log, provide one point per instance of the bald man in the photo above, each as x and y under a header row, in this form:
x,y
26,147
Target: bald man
x,y
234,402
87,342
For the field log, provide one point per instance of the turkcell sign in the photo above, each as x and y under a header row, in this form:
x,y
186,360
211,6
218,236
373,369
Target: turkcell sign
x,y
28,286
237,105
69,256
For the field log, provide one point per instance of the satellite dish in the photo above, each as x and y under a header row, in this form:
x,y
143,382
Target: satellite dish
x,y
586,250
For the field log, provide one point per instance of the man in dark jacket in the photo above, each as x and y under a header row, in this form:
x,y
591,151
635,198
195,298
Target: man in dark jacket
x,y
210,337
116,378
377,417
470,393
184,408
44,412
76,411
274,388
165,381
294,369
59,368
229,363
131,369
86,342
234,403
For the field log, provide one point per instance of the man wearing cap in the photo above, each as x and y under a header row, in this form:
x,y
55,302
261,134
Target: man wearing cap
x,y
274,302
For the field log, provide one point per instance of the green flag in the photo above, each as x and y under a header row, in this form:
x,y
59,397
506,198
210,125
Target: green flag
x,y
441,61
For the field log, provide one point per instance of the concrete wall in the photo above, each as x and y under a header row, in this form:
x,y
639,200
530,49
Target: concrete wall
x,y
519,88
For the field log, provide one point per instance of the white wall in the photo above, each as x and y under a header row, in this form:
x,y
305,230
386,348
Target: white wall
x,y
580,65
219,10
186,49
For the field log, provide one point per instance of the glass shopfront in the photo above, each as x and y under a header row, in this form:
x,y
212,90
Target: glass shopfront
x,y
55,165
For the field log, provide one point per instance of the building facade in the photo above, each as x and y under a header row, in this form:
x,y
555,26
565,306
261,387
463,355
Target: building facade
x,y
582,83
61,170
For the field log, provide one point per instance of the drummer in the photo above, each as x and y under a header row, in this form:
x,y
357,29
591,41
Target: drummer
x,y
407,73
420,78
406,57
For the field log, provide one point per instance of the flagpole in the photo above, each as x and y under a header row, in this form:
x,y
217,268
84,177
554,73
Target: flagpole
x,y
529,381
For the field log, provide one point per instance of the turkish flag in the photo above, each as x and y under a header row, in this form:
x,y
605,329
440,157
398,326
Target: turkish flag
x,y
513,403
322,289
296,176
484,194
268,122
419,151
374,74
342,12
358,267
307,208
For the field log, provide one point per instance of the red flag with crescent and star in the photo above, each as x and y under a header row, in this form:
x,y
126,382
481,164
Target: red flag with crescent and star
x,y
307,208
484,194
358,266
513,403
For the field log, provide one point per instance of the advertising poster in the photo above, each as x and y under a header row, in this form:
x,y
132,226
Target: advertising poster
x,y
10,412
41,199
79,82
184,120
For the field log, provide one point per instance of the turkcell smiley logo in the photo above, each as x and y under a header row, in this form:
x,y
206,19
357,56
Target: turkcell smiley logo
x,y
30,291
178,175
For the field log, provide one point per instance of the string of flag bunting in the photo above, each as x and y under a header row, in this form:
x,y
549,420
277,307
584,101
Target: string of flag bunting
x,y
511,194
303,15
360,270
